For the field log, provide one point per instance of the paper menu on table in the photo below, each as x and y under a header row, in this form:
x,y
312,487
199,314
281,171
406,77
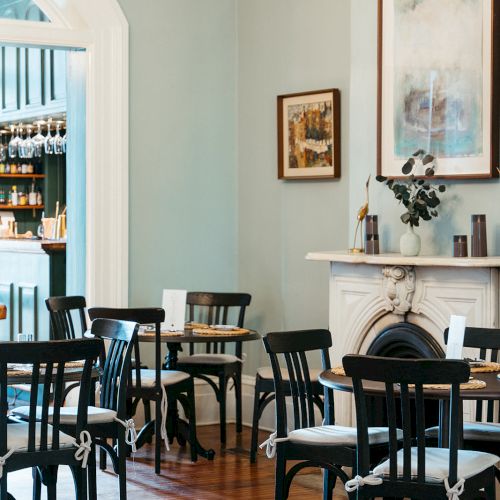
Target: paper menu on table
x,y
174,304
456,335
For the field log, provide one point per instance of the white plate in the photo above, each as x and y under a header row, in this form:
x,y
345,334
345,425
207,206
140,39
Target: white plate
x,y
224,327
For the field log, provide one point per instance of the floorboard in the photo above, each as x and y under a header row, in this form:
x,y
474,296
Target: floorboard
x,y
229,476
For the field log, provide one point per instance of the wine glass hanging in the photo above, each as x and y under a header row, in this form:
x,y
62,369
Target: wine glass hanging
x,y
23,145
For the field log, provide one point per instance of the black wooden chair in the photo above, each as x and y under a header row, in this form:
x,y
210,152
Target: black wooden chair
x,y
484,433
329,446
164,387
64,312
40,442
415,470
264,395
216,308
109,420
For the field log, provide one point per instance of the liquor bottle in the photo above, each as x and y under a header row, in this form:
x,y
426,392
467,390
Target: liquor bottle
x,y
32,195
14,196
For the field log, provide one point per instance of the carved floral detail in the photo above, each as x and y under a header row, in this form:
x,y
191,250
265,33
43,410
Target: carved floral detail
x,y
399,288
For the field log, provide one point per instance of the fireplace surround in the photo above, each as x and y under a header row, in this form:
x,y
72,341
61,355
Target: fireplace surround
x,y
388,304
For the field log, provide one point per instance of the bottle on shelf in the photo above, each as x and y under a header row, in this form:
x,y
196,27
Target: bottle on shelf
x,y
2,197
32,196
14,196
22,198
39,199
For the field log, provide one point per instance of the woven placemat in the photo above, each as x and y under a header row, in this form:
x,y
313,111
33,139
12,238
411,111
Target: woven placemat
x,y
486,367
18,373
339,370
192,325
162,334
69,364
471,384
227,333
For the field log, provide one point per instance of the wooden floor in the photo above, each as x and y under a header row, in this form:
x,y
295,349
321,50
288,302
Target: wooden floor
x,y
229,476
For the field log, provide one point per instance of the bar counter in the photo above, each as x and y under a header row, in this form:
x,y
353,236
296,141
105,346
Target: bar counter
x,y
30,271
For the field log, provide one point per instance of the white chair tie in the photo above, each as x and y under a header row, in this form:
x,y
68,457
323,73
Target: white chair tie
x,y
130,432
356,482
3,460
84,448
164,410
455,492
270,444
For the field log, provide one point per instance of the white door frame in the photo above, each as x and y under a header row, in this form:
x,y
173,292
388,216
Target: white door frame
x,y
99,27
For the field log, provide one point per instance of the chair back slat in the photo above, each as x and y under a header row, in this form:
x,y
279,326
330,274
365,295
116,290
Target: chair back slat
x,y
407,376
217,308
487,340
420,430
291,348
61,311
48,362
121,337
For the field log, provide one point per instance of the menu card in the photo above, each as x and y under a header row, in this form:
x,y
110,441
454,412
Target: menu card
x,y
456,334
174,304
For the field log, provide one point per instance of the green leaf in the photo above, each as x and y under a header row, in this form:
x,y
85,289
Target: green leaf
x,y
442,188
381,178
429,172
418,152
405,218
427,159
421,182
408,166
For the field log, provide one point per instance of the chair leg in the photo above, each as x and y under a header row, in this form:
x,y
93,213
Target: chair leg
x,y
237,395
490,488
329,479
222,407
255,422
279,481
37,483
3,487
122,465
147,411
51,482
91,473
102,458
192,422
158,439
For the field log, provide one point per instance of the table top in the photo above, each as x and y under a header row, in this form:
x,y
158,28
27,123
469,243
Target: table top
x,y
189,336
490,392
15,377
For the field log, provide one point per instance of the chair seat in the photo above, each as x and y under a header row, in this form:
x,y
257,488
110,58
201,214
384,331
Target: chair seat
x,y
17,437
168,377
470,463
69,413
473,431
208,359
338,435
267,373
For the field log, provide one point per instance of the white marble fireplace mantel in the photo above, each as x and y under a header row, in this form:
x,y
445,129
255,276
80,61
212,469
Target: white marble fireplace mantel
x,y
368,293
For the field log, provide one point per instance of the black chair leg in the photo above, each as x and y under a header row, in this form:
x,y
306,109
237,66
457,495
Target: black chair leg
x,y
3,487
490,488
102,458
279,481
222,407
158,439
51,480
91,472
237,394
122,465
329,479
37,483
255,422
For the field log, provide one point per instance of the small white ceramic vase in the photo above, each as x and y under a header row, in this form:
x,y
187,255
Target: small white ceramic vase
x,y
409,244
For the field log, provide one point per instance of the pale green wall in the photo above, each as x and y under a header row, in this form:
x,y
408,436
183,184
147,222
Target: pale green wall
x,y
462,198
183,190
287,46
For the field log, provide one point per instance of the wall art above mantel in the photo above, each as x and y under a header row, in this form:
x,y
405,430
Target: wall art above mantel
x,y
438,85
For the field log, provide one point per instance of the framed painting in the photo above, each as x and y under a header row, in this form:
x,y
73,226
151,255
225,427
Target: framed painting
x,y
437,79
309,135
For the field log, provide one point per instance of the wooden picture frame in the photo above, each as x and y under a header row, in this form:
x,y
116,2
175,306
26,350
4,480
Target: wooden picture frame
x,y
309,135
438,86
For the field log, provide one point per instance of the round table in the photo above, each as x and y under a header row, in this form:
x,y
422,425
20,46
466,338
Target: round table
x,y
174,346
188,336
490,392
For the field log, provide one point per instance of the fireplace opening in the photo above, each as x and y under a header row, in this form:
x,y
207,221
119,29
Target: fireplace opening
x,y
404,340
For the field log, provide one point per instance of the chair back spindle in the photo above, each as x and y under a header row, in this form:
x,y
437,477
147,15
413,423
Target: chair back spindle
x,y
287,350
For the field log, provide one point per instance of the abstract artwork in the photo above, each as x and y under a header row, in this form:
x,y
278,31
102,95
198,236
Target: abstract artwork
x,y
309,135
436,69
